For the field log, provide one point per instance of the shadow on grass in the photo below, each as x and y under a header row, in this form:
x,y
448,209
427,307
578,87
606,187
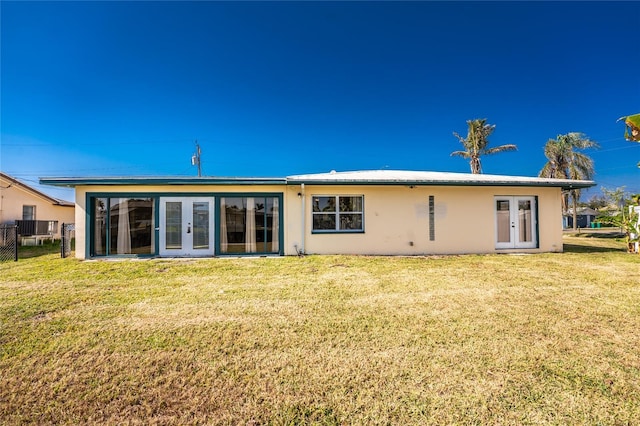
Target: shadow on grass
x,y
26,252
595,241
578,248
600,234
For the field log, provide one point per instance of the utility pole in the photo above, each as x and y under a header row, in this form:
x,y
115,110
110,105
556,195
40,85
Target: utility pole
x,y
195,159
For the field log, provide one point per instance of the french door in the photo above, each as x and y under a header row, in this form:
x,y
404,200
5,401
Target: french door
x,y
516,222
186,226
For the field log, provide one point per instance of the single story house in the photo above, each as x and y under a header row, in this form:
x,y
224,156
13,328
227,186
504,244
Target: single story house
x,y
378,212
37,214
585,216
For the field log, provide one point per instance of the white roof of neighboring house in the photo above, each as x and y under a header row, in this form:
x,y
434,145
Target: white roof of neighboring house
x,y
585,211
404,177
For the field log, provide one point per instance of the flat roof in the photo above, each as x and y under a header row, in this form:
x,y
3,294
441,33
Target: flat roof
x,y
159,180
361,177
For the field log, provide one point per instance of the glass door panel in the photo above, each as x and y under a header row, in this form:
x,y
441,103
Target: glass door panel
x,y
503,221
173,225
100,226
233,213
249,225
200,225
525,231
123,226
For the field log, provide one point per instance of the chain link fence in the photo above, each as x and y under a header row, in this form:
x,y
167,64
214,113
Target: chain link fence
x,y
67,239
8,243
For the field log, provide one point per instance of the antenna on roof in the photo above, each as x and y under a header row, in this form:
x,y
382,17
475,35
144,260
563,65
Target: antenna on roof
x,y
195,159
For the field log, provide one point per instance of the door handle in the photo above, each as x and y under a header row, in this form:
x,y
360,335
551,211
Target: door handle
x,y
188,228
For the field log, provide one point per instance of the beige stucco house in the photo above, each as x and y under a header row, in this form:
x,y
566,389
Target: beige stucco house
x,y
379,212
39,213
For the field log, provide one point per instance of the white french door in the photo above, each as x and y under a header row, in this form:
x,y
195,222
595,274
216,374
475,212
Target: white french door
x,y
516,222
186,226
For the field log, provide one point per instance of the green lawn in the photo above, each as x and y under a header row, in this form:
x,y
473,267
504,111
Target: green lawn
x,y
494,339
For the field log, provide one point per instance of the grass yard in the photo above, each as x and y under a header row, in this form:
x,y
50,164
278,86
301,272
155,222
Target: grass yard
x,y
494,339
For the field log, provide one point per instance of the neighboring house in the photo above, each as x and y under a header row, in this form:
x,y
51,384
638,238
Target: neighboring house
x,y
37,214
380,212
584,217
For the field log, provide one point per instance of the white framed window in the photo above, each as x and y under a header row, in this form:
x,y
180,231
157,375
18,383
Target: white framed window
x,y
338,213
28,212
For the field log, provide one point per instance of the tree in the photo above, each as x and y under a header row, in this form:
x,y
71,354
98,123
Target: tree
x,y
616,198
565,162
632,127
475,144
624,215
596,202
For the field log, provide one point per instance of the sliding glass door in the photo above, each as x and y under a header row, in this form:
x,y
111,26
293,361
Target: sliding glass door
x,y
123,226
249,225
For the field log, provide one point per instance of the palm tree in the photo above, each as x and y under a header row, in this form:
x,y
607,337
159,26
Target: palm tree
x,y
475,144
564,162
632,128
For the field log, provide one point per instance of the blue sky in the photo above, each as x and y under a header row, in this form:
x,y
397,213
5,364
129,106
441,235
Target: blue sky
x,y
282,88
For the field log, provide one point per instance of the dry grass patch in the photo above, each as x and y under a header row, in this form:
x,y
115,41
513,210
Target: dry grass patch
x,y
539,339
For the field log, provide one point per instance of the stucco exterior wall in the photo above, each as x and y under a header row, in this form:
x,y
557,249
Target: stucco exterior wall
x,y
13,197
156,190
396,217
396,220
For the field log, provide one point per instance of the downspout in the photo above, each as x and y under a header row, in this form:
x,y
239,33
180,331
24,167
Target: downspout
x,y
302,199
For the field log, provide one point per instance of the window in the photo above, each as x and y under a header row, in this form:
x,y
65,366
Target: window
x,y
338,213
28,212
52,227
123,226
249,225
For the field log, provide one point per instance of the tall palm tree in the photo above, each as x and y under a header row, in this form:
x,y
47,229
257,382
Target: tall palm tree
x,y
565,162
475,144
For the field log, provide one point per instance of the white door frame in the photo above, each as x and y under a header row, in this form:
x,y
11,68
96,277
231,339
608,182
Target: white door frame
x,y
186,248
517,219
